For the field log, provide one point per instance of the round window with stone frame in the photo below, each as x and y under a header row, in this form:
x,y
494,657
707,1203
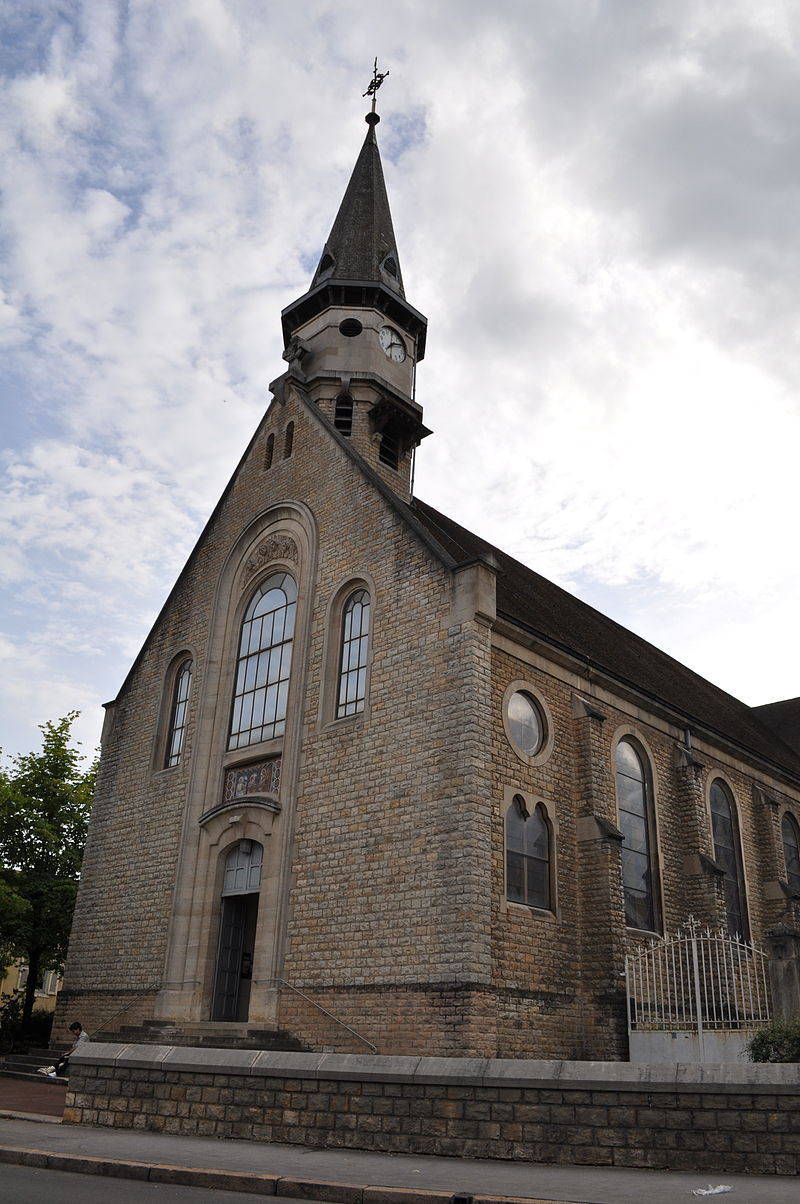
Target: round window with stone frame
x,y
526,722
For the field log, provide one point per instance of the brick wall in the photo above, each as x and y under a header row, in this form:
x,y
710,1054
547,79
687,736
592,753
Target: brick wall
x,y
716,1118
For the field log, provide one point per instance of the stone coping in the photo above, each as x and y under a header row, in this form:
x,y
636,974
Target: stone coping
x,y
728,1077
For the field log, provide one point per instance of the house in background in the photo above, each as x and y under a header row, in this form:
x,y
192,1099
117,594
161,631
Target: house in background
x,y
367,762
16,978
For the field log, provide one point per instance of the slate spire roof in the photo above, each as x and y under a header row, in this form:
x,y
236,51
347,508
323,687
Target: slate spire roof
x,y
361,245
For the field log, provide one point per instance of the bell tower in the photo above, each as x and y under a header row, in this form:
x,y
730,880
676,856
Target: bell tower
x,y
352,341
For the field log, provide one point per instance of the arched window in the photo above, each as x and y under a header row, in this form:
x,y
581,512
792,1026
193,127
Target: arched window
x,y
265,662
636,821
269,453
179,714
343,414
728,854
354,652
791,851
528,854
288,441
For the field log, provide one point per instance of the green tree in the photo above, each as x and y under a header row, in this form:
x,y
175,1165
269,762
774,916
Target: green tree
x,y
45,799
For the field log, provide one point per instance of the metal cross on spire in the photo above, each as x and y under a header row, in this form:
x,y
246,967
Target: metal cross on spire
x,y
377,79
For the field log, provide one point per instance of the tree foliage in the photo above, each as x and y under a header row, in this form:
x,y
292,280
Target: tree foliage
x,y
45,799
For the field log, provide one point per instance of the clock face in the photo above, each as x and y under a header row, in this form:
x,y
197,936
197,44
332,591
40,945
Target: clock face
x,y
392,344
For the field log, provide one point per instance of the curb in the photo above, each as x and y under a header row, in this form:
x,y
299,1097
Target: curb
x,y
41,1117
285,1186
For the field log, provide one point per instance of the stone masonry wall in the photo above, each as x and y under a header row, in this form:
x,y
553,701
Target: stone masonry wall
x,y
558,973
385,824
714,1119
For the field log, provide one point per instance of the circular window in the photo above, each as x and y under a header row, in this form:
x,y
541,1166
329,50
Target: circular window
x,y
525,723
350,327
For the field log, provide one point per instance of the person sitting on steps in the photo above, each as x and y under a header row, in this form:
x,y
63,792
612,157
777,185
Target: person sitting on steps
x,y
80,1037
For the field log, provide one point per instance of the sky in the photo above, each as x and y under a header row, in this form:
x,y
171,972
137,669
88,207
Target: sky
x,y
596,205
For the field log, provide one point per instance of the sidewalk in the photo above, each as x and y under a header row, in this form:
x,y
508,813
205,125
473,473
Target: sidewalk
x,y
340,1176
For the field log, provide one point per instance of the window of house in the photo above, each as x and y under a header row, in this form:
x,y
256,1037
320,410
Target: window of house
x,y
354,651
343,414
269,452
264,665
728,854
528,855
288,441
179,714
637,824
790,830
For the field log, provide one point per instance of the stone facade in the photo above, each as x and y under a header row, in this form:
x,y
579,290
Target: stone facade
x,y
745,1119
380,901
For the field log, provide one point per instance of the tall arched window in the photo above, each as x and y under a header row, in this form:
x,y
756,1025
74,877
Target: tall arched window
x,y
354,652
288,440
528,854
790,830
636,821
728,854
179,714
269,452
265,662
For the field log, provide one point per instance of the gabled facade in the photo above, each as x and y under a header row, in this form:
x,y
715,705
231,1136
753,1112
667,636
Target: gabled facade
x,y
367,763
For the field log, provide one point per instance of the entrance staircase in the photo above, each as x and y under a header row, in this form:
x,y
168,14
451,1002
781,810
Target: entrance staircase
x,y
26,1065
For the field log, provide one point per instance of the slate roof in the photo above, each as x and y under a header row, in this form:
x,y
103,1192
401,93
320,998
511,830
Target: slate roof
x,y
784,719
362,234
535,604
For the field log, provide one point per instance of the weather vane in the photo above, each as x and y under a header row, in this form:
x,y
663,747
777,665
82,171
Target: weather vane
x,y
377,79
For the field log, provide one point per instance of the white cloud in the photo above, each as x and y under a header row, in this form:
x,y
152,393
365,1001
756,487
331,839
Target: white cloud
x,y
596,207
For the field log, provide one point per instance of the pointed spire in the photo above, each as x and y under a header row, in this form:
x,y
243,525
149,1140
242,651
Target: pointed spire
x,y
361,245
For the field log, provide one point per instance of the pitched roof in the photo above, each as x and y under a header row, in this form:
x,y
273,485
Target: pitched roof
x,y
361,245
784,719
538,606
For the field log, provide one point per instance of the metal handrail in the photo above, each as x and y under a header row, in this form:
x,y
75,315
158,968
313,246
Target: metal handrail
x,y
325,1011
137,993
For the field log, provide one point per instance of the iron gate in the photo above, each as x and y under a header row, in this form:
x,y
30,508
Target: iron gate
x,y
697,981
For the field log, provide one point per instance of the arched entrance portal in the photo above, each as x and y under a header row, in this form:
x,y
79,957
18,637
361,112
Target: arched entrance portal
x,y
237,931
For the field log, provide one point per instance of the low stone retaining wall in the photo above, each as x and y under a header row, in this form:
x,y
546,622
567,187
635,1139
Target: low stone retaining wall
x,y
682,1117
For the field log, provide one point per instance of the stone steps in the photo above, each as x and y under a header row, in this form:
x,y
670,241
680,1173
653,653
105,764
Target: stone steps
x,y
26,1065
206,1035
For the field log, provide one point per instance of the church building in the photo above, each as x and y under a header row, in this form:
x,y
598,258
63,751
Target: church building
x,y
371,782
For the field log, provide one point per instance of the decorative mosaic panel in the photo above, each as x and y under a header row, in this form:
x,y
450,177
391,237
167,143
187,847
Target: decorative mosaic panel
x,y
263,777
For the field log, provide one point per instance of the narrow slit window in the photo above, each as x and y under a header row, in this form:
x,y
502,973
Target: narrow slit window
x,y
639,872
790,831
179,714
728,854
354,653
288,441
269,452
343,414
389,451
